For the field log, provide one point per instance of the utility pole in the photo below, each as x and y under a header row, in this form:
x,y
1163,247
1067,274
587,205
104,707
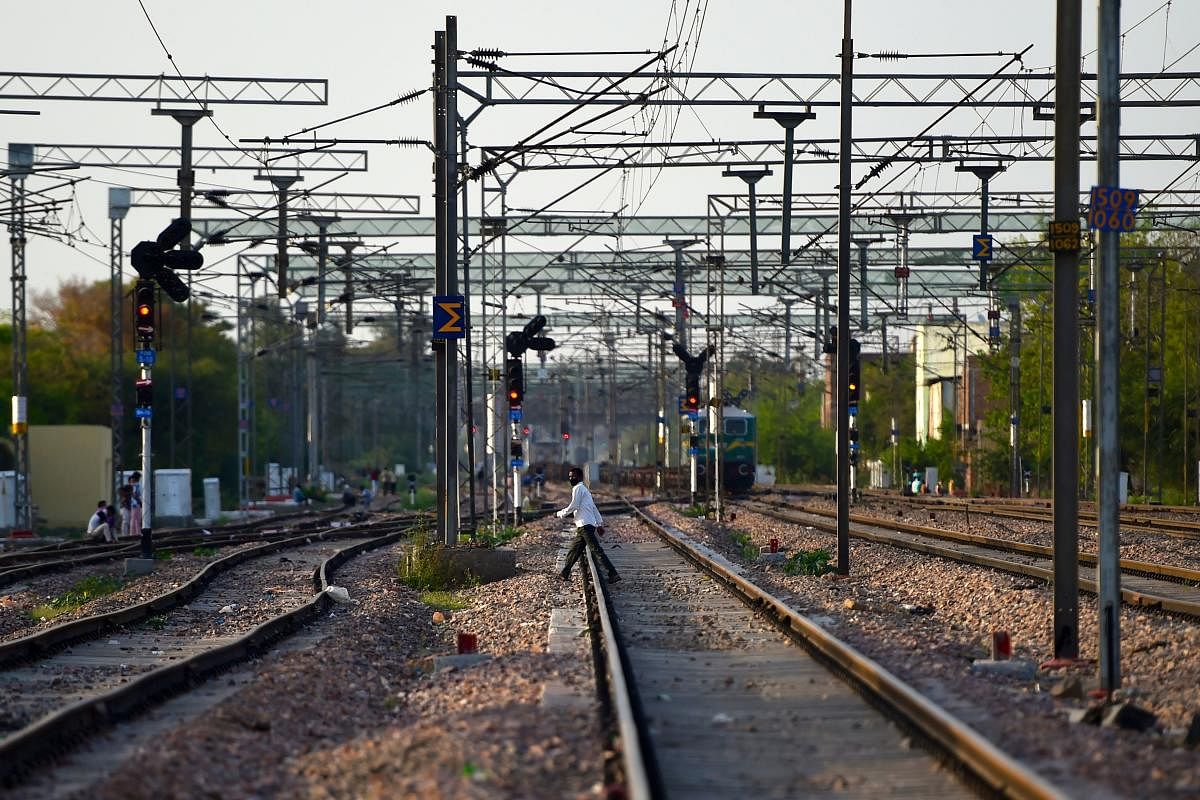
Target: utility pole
x,y
789,120
1065,465
1014,398
181,401
843,312
751,176
445,80
282,184
985,173
1108,348
862,245
20,162
679,299
118,207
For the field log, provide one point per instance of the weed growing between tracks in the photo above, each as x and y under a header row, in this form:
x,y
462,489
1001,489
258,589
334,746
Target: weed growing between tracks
x,y
425,569
204,552
809,562
695,511
444,601
82,592
500,537
745,544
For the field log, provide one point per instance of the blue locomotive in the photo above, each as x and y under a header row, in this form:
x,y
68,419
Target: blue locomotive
x,y
739,446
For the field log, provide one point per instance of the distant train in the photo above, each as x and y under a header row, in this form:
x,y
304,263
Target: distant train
x,y
739,450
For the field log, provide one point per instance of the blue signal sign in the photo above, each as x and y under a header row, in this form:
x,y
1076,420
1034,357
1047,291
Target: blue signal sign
x,y
981,247
448,316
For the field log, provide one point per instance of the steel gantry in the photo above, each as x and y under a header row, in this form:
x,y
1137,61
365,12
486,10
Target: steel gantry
x,y
204,90
1019,89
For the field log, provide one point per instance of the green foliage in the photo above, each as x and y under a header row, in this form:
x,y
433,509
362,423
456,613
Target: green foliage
x,y
423,568
204,552
809,562
746,546
163,555
426,498
1164,316
445,601
157,622
696,511
498,538
82,592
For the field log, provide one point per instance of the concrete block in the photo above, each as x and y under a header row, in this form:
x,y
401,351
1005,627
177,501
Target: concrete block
x,y
566,626
1013,668
463,661
479,563
138,566
767,557
556,695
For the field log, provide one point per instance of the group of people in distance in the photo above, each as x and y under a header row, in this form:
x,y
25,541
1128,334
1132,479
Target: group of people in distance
x,y
125,519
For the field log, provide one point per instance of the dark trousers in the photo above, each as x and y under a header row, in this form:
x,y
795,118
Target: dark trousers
x,y
585,536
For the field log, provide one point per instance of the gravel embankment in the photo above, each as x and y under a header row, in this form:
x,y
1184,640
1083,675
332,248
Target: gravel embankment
x,y
926,619
363,715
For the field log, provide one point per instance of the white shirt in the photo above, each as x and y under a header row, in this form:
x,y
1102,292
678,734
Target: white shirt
x,y
96,521
583,507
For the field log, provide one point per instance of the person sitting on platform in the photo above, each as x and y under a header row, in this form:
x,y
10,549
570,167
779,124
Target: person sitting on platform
x,y
98,528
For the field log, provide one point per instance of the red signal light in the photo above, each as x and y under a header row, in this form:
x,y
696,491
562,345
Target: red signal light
x,y
566,436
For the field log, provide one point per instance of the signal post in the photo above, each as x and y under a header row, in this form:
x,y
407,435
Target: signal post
x,y
156,263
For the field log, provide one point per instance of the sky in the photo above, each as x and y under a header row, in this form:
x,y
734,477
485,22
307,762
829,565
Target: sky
x,y
371,52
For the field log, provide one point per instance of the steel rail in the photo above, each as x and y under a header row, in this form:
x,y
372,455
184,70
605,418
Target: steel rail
x,y
56,731
999,772
1131,596
630,726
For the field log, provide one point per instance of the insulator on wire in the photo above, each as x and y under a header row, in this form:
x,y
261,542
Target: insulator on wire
x,y
889,55
490,66
488,52
410,142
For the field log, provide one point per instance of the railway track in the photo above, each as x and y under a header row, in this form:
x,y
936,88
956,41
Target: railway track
x,y
20,565
1158,586
1140,519
62,683
710,700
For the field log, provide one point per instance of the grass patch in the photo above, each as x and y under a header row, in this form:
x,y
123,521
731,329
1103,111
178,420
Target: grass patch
x,y
500,537
445,601
204,552
163,555
809,562
424,568
157,622
426,498
694,511
82,592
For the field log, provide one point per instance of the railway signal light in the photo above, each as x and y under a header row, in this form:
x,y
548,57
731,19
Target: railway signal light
x,y
515,383
854,376
144,393
566,435
158,260
515,450
143,311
